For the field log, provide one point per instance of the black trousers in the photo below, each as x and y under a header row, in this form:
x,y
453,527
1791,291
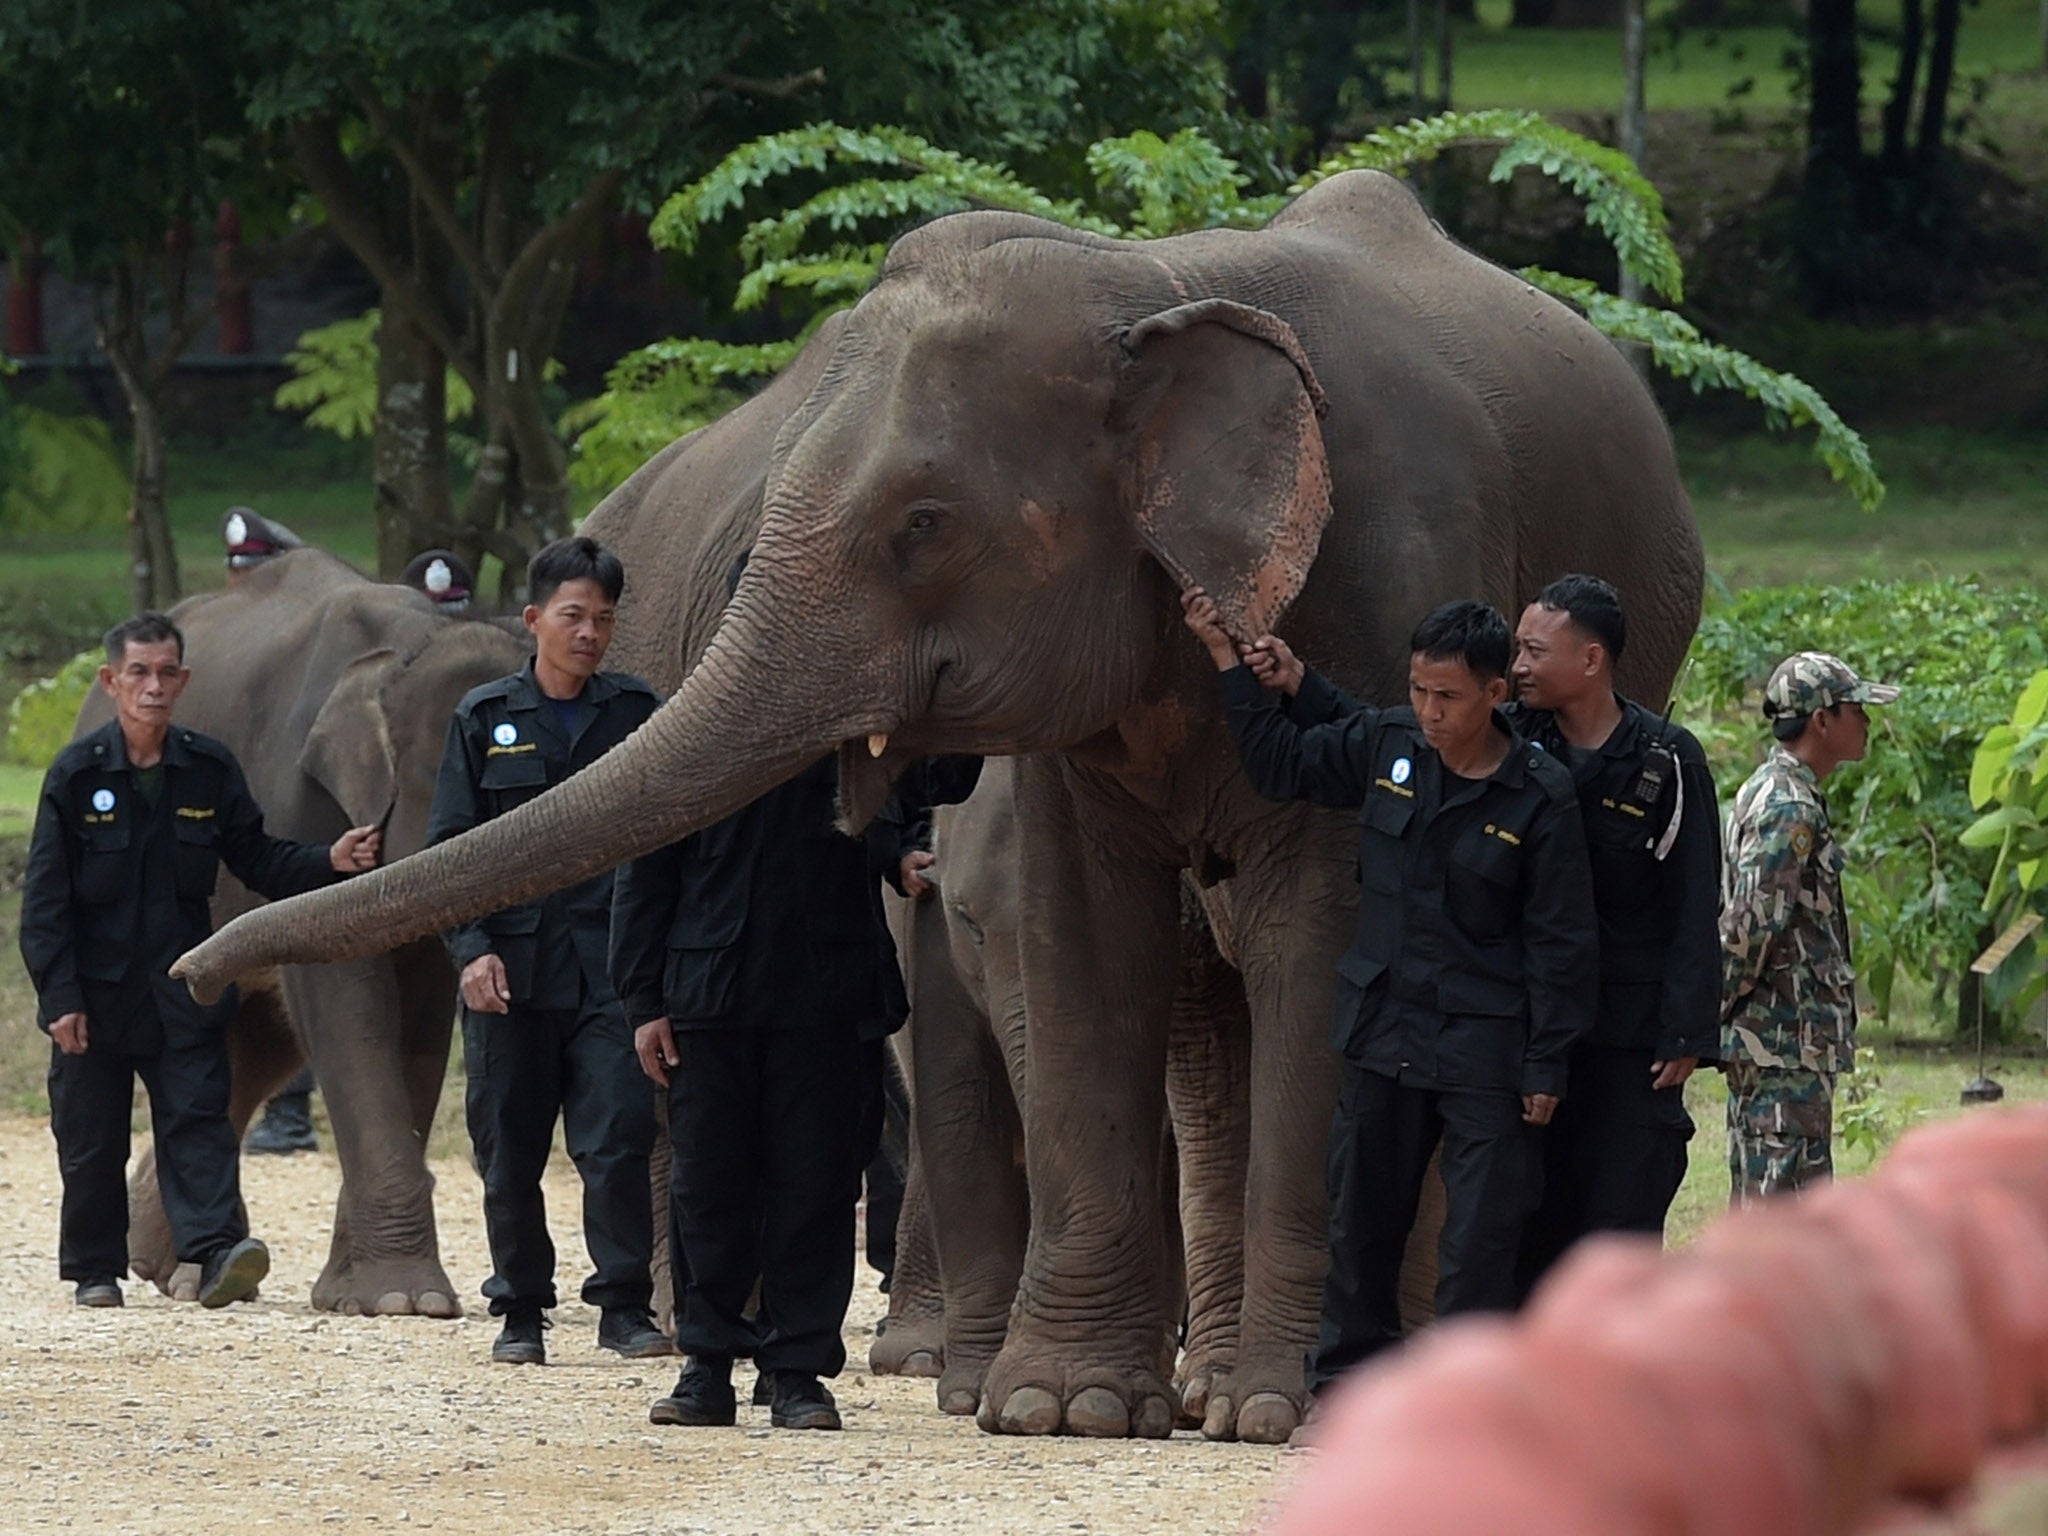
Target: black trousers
x,y
1380,1145
1613,1156
197,1161
767,1128
885,1139
525,1069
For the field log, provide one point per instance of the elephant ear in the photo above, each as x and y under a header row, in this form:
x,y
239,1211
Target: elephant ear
x,y
349,752
1232,482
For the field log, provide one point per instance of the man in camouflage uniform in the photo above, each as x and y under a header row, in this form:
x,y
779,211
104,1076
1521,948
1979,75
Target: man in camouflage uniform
x,y
1788,986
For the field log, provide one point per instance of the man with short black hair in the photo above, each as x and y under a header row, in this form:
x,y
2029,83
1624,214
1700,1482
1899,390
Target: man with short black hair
x,y
1615,1153
1472,971
134,822
1788,982
542,1031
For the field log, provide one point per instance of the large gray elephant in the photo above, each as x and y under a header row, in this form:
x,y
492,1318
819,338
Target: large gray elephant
x,y
978,494
335,693
965,1053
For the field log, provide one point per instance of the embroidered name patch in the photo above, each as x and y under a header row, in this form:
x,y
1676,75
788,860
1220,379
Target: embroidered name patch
x,y
1504,835
196,812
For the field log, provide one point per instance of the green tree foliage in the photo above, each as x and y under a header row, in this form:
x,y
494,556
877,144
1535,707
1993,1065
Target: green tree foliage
x,y
334,379
123,133
40,719
823,249
58,470
1916,891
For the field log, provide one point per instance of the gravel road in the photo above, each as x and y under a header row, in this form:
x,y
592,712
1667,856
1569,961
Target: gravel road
x,y
163,1418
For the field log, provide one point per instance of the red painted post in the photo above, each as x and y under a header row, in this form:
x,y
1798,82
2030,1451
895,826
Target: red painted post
x,y
237,325
25,300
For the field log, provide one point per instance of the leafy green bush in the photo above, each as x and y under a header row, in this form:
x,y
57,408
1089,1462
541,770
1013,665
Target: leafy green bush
x,y
2009,784
59,470
1915,892
40,719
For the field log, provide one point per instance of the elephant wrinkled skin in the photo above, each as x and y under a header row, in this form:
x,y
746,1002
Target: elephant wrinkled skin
x,y
334,692
978,494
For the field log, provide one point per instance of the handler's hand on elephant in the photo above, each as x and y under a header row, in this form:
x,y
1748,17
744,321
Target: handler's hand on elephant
x,y
69,1033
1201,615
1274,664
484,987
1672,1073
911,875
356,849
1537,1108
655,1044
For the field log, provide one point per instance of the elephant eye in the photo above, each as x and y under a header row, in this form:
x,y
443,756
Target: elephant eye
x,y
922,520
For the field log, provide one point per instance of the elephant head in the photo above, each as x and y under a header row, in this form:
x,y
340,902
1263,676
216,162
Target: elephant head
x,y
971,531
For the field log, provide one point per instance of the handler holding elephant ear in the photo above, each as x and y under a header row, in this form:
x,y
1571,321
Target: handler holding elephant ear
x,y
542,1031
134,822
1473,970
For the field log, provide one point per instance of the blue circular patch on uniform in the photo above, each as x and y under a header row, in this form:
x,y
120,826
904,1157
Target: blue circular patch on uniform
x,y
1402,768
505,734
103,799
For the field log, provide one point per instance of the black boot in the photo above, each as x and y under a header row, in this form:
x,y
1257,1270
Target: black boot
x,y
232,1273
802,1402
703,1396
286,1126
519,1341
630,1331
103,1292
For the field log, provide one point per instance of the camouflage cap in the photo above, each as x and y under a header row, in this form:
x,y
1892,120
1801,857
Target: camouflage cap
x,y
1814,680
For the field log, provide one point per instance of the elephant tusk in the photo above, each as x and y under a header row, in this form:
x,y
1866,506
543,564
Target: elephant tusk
x,y
878,743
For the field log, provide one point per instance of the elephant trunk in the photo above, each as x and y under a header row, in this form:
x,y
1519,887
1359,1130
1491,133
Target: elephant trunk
x,y
751,715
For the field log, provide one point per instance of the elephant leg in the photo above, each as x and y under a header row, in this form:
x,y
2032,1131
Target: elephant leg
x,y
385,1257
964,1122
1100,915
263,1053
1208,1090
1291,906
911,1340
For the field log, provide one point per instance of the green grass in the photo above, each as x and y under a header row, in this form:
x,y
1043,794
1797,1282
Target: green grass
x,y
1915,1085
1579,70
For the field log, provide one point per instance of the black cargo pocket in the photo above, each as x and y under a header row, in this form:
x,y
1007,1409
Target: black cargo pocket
x,y
198,857
104,868
1361,983
701,983
1485,1031
1383,821
513,779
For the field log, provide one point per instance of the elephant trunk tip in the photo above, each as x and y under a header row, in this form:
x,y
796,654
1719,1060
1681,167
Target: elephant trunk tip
x,y
202,980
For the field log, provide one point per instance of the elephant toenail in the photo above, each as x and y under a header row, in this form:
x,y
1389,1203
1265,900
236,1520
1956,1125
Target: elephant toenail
x,y
1098,1412
1268,1418
1030,1411
1155,1419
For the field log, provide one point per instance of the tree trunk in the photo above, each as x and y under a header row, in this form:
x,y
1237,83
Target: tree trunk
x,y
153,559
1898,106
409,444
1415,53
1834,137
1941,68
1443,55
1635,120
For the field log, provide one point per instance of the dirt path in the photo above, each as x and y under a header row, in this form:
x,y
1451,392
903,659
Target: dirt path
x,y
168,1419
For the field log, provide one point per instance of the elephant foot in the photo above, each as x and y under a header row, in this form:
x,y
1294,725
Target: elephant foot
x,y
960,1386
178,1281
909,1347
1260,1407
1196,1381
1041,1392
386,1288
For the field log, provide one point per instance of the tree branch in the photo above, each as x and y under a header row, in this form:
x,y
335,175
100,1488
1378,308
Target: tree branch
x,y
775,90
529,266
317,150
432,195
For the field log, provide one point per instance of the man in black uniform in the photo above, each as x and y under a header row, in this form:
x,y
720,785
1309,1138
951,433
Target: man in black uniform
x,y
134,821
1472,972
1615,1153
542,1031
